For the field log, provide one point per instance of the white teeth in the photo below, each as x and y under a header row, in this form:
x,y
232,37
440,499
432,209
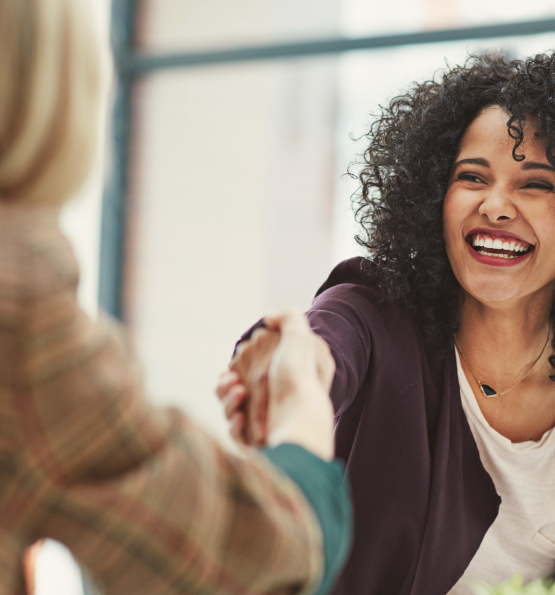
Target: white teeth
x,y
495,255
480,241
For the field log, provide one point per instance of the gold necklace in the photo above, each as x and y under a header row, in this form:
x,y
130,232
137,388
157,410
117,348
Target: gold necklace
x,y
486,389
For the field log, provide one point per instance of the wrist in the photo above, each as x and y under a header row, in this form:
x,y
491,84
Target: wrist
x,y
306,420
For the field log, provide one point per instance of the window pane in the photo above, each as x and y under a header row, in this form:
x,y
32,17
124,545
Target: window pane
x,y
374,17
234,177
176,25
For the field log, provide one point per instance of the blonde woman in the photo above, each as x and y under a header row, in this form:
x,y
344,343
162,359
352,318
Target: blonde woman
x,y
144,499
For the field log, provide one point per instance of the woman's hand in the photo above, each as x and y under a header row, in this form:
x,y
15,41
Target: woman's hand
x,y
246,408
233,395
278,387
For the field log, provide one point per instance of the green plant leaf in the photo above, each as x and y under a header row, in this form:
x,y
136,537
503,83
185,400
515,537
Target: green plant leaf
x,y
516,586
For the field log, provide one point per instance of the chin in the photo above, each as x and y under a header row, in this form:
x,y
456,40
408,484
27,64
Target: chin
x,y
490,291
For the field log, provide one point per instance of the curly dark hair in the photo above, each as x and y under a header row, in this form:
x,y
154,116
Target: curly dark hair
x,y
407,166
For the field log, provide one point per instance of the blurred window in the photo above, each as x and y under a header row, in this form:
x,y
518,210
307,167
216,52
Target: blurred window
x,y
194,25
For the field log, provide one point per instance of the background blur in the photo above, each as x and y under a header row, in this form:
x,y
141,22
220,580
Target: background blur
x,y
238,202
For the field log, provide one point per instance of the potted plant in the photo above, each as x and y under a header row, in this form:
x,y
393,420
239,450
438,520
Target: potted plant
x,y
516,586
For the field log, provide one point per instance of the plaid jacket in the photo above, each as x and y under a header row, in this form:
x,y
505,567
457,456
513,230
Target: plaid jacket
x,y
144,498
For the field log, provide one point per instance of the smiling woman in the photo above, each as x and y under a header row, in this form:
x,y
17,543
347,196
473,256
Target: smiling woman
x,y
499,219
451,452
483,276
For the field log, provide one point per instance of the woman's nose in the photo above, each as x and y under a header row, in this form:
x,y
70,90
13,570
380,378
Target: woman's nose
x,y
498,205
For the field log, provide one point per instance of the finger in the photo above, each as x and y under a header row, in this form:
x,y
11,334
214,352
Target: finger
x,y
240,348
272,320
226,381
238,426
290,321
325,362
241,361
234,400
258,407
241,352
260,422
264,348
259,334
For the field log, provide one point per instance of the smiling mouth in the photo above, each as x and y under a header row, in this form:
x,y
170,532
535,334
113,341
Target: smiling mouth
x,y
498,246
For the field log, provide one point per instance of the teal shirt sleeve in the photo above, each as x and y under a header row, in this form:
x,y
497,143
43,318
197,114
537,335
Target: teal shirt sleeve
x,y
325,487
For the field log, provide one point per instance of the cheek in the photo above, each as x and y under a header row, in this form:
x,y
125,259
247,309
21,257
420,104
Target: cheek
x,y
457,208
541,219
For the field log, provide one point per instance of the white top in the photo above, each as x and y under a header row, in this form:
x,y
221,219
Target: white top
x,y
522,537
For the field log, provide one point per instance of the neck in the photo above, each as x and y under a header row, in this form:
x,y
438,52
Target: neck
x,y
501,340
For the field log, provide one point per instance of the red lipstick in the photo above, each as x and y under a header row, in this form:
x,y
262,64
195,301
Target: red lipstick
x,y
496,233
496,261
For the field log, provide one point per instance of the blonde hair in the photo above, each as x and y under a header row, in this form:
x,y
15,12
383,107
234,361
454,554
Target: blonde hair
x,y
53,72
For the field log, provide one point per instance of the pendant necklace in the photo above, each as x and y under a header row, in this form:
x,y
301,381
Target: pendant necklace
x,y
486,389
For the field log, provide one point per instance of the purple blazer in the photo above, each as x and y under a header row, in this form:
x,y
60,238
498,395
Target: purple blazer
x,y
422,498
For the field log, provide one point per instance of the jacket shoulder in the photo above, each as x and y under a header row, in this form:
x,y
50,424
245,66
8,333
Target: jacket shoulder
x,y
353,286
351,271
36,260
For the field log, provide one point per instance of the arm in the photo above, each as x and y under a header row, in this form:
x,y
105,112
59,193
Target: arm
x,y
144,498
340,316
287,378
323,484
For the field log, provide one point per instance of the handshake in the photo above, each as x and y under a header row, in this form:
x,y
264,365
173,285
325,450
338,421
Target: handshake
x,y
277,387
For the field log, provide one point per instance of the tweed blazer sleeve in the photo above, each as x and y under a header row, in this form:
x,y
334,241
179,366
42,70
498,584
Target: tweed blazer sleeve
x,y
145,500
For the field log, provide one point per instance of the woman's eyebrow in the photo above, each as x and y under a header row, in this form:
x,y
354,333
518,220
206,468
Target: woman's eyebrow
x,y
537,165
473,161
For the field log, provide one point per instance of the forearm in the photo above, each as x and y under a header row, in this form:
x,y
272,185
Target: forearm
x,y
295,368
325,487
193,519
145,499
307,422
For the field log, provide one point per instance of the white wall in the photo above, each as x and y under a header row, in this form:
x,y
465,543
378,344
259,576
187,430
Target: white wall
x,y
234,174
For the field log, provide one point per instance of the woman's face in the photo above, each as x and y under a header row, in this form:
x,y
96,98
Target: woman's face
x,y
499,214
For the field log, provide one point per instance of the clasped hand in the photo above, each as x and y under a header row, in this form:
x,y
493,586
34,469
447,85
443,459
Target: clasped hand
x,y
277,387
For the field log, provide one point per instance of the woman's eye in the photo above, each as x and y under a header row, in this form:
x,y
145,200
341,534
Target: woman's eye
x,y
467,177
537,185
